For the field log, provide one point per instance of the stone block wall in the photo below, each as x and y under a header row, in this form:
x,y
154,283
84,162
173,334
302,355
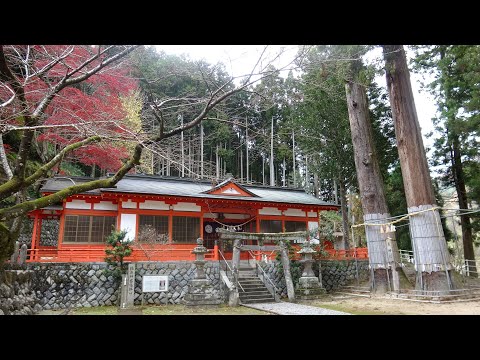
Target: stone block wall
x,y
16,294
335,273
66,285
179,274
49,232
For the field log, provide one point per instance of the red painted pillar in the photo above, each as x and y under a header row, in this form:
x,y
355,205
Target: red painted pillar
x,y
215,251
33,246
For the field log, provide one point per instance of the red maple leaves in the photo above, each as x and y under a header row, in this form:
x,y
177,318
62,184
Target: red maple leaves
x,y
90,107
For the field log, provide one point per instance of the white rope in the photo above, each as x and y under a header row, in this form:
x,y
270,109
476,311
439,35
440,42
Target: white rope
x,y
406,216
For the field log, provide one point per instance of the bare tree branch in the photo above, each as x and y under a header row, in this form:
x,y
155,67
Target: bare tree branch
x,y
67,81
8,188
39,203
5,164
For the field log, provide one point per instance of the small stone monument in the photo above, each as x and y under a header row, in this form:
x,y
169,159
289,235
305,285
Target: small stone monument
x,y
308,287
22,257
127,289
14,257
200,291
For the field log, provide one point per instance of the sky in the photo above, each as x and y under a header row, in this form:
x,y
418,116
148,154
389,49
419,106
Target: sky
x,y
240,60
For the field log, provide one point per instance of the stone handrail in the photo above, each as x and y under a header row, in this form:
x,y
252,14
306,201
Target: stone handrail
x,y
229,268
276,290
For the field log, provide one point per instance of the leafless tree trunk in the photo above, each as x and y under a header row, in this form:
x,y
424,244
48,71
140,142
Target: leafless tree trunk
x,y
246,149
272,170
428,240
201,151
315,185
5,164
343,204
335,191
293,159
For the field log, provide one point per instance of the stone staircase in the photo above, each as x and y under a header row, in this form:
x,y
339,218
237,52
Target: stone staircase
x,y
410,273
362,291
255,290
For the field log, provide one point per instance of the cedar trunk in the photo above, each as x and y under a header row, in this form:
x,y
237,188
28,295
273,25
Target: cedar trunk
x,y
460,187
428,240
372,193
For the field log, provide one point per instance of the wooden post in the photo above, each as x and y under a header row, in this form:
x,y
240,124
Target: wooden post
x,y
372,193
286,272
428,239
215,251
33,253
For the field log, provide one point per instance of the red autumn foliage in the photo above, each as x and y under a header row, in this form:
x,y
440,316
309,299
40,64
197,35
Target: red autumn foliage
x,y
95,101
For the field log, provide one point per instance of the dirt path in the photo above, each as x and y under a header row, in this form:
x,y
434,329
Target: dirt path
x,y
379,306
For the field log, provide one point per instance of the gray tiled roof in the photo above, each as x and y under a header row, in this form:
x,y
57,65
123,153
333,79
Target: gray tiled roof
x,y
157,185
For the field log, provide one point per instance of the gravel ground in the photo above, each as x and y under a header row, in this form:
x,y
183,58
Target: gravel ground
x,y
286,308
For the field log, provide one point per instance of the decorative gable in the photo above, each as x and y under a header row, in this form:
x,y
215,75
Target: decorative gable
x,y
229,187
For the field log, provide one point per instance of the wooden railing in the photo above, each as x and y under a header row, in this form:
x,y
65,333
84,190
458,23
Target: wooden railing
x,y
168,252
97,254
359,253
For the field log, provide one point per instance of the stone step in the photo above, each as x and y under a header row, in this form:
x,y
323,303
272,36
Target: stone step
x,y
251,283
355,289
252,286
256,292
256,296
258,301
352,294
259,297
250,280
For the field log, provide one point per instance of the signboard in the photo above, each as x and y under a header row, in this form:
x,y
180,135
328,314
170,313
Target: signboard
x,y
154,283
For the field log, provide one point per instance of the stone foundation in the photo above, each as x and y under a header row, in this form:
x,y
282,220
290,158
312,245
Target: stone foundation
x,y
55,286
335,273
16,295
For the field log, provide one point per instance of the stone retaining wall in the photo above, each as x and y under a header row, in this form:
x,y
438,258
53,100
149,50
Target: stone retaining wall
x,y
335,273
45,286
65,285
16,295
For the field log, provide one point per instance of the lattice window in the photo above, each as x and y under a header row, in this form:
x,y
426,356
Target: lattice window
x,y
291,226
186,229
159,225
88,229
271,226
